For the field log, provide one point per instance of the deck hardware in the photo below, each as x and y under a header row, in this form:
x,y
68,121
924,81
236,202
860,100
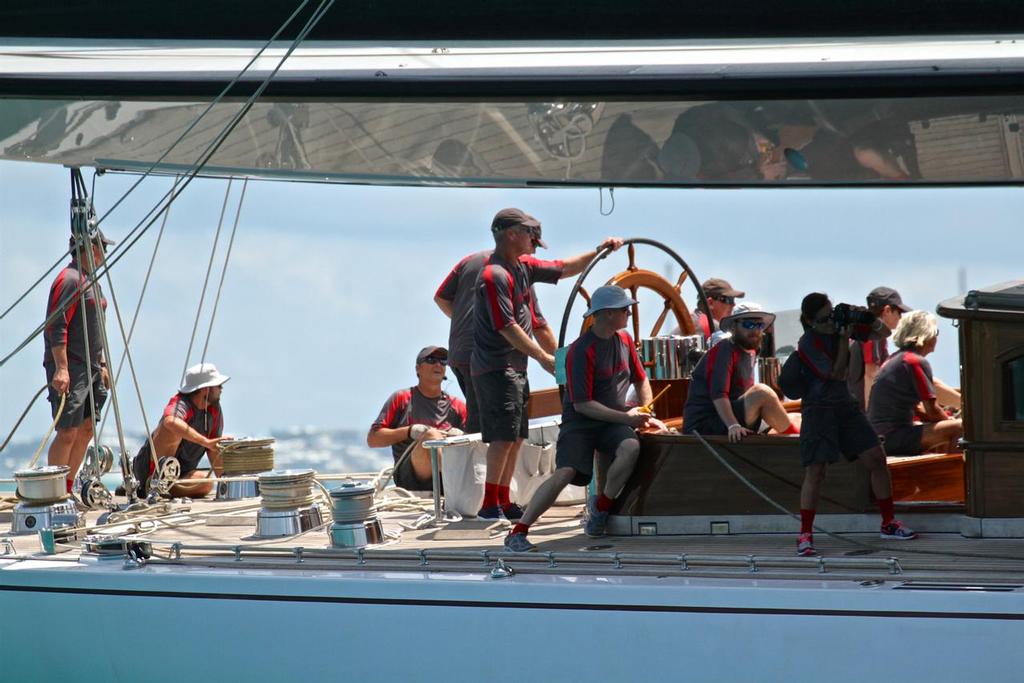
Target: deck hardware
x,y
423,557
502,570
647,528
894,566
551,559
176,551
8,545
134,561
298,555
617,561
719,528
486,556
683,566
752,564
238,553
821,565
361,555
871,583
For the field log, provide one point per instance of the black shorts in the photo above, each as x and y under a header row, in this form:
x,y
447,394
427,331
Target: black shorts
x,y
828,431
501,398
465,379
405,477
712,425
905,440
77,406
578,439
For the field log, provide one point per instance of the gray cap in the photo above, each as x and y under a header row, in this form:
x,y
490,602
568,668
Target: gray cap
x,y
431,351
608,297
511,217
882,296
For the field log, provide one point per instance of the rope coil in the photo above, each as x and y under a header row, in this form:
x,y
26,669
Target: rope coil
x,y
247,456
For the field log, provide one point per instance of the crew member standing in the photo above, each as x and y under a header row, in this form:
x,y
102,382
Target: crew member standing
x,y
502,329
72,355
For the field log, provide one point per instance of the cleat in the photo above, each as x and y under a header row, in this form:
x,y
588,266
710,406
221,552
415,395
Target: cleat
x,y
596,521
805,546
518,543
512,512
896,531
491,513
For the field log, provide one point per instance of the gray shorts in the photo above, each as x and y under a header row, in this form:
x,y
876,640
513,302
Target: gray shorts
x,y
828,431
501,398
905,440
578,439
77,406
712,425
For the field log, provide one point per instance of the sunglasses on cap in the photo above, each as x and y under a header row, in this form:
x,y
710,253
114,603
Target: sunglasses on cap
x,y
751,324
434,360
729,300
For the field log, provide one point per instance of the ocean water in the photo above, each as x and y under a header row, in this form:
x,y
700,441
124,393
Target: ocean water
x,y
324,450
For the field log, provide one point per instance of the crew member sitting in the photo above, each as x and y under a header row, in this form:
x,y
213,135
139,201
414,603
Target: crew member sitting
x,y
599,368
904,387
721,298
723,398
412,416
192,425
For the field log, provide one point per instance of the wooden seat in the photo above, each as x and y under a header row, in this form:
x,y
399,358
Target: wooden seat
x,y
928,478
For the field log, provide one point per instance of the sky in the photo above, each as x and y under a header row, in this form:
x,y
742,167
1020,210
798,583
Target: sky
x,y
328,292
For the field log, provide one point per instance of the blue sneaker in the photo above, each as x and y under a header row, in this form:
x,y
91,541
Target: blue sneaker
x,y
492,513
805,545
597,521
519,543
512,512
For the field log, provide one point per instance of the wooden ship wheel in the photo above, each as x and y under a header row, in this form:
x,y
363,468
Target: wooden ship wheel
x,y
633,279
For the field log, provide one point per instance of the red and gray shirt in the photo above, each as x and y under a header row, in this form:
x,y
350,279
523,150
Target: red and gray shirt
x,y
66,328
862,354
209,423
725,371
904,381
504,296
818,353
408,407
600,370
459,287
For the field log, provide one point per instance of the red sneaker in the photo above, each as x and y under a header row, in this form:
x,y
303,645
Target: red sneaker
x,y
805,546
896,531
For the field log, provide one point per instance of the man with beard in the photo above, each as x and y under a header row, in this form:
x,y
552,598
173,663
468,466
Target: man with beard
x,y
723,398
192,426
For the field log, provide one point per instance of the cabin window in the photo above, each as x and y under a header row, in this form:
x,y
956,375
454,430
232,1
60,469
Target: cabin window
x,y
1013,389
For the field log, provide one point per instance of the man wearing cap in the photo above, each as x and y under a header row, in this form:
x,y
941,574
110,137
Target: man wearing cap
x,y
600,366
502,329
866,357
74,357
192,425
723,398
721,298
417,414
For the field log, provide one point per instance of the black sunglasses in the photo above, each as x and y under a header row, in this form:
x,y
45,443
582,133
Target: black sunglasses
x,y
434,360
730,300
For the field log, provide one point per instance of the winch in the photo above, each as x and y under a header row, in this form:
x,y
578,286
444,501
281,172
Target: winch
x,y
355,519
44,500
99,460
289,505
672,357
243,457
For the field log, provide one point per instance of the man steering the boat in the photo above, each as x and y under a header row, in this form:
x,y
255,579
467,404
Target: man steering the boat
x,y
600,366
74,360
502,329
411,416
723,398
192,425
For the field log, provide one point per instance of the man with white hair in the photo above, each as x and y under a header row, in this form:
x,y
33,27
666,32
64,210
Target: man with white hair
x,y
904,388
599,368
192,426
723,398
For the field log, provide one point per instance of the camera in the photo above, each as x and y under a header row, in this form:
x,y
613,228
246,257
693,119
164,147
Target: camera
x,y
854,317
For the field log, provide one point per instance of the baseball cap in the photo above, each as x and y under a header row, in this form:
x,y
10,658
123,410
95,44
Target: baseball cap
x,y
719,287
431,351
881,296
511,217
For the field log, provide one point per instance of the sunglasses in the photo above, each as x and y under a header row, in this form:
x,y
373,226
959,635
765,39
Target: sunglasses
x,y
434,360
749,324
730,300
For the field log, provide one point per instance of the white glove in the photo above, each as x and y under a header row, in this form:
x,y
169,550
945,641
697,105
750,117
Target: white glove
x,y
417,431
454,431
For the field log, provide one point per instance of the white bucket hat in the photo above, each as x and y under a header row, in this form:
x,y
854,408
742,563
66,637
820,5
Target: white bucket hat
x,y
608,296
747,309
200,376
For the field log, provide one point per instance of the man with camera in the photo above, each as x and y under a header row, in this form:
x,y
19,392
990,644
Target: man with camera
x,y
723,398
833,422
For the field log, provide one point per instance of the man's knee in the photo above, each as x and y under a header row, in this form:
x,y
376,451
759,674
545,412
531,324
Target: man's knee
x,y
630,448
563,476
873,458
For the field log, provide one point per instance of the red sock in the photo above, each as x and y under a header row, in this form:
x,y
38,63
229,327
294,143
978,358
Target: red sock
x,y
604,503
490,495
69,483
806,521
504,496
885,507
792,429
519,529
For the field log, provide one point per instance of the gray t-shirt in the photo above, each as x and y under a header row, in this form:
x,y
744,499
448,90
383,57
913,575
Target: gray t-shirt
x,y
600,370
409,406
904,381
66,328
725,371
459,287
504,296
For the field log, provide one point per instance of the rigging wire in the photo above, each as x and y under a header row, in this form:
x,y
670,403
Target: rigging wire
x,y
193,171
224,270
174,144
22,418
206,280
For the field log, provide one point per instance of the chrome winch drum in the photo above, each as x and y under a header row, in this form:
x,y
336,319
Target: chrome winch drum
x,y
42,485
671,357
768,370
243,457
355,519
288,503
27,518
